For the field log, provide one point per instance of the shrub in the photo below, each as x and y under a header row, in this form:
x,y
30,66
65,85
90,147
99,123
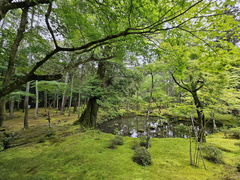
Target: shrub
x,y
233,133
136,144
238,167
181,130
117,140
212,153
237,144
144,141
142,156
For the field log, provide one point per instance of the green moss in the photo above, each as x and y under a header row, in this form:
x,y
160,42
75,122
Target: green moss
x,y
85,155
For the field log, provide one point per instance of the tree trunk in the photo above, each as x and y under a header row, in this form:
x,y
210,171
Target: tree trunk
x,y
149,111
11,60
201,117
45,100
64,98
37,100
79,103
70,100
11,109
89,115
75,105
26,101
2,110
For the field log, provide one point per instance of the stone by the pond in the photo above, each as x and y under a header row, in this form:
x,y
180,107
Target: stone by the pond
x,y
140,130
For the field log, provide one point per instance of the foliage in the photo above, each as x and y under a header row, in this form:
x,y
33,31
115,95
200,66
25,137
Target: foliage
x,y
86,155
5,140
117,140
142,156
237,144
238,167
233,133
144,141
212,153
181,130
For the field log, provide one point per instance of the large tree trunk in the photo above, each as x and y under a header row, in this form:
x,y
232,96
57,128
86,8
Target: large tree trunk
x,y
89,115
12,57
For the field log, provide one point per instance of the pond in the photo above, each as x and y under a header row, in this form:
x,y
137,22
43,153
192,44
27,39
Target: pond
x,y
135,126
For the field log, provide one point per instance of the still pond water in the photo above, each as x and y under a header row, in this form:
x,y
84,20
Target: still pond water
x,y
136,126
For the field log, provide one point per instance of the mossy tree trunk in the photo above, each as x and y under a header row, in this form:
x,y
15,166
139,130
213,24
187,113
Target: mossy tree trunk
x,y
89,115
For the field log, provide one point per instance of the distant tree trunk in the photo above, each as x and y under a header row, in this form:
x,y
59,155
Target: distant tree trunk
x,y
214,122
37,100
79,103
2,110
45,100
64,98
75,105
70,100
149,110
11,108
57,106
26,107
18,105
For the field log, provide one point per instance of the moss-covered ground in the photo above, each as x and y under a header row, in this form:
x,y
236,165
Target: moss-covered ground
x,y
69,152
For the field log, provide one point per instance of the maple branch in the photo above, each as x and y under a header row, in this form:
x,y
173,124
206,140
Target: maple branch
x,y
47,15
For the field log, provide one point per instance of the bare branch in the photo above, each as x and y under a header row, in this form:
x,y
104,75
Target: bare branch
x,y
197,38
47,15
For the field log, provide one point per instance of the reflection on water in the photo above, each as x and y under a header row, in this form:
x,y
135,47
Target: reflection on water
x,y
137,126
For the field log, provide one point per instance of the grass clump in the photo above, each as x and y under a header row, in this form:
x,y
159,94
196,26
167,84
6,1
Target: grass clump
x,y
213,154
142,156
117,140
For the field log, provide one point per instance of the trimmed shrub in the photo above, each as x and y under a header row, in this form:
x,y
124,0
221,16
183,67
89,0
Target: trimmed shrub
x,y
135,145
144,141
212,153
142,156
117,140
